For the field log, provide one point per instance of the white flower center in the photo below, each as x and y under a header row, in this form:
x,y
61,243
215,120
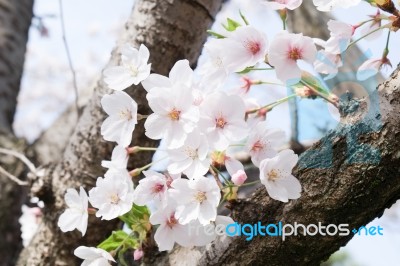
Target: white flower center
x,y
217,61
125,114
174,114
191,153
273,175
114,198
200,196
134,70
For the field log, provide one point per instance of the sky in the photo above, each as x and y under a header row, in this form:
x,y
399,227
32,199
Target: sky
x,y
92,27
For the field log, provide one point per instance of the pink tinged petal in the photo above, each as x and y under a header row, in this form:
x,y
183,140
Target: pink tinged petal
x,y
197,168
155,126
233,165
181,235
292,185
181,73
179,167
287,159
236,131
164,238
368,69
69,220
174,135
218,140
72,198
207,213
118,77
289,4
277,192
309,51
86,253
156,81
290,74
188,212
144,53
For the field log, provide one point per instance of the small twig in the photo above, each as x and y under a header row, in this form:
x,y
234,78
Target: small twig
x,y
71,67
20,156
12,177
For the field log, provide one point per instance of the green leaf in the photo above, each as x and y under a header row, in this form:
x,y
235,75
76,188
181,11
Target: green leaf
x,y
310,80
232,25
243,18
215,34
138,220
118,239
246,70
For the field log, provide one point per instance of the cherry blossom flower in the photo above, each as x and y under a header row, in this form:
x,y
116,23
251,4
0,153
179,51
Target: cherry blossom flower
x,y
174,113
244,47
235,169
328,5
29,221
122,111
119,159
215,70
190,159
222,119
133,70
263,142
76,215
196,199
371,67
285,50
151,189
275,174
112,195
180,73
170,229
282,4
371,26
341,34
327,63
93,256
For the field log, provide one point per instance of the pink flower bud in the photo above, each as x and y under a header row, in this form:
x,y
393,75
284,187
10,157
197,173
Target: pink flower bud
x,y
137,254
239,177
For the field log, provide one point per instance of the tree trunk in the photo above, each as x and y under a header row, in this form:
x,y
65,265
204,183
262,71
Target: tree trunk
x,y
164,28
15,19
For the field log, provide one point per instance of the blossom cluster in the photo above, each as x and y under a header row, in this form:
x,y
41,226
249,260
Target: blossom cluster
x,y
201,125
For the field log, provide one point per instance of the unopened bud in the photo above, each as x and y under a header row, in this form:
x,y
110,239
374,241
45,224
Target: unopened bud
x,y
239,177
137,254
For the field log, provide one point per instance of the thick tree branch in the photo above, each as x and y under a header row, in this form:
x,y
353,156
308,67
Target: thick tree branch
x,y
164,28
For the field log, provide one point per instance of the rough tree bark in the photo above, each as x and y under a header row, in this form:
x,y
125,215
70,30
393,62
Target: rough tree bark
x,y
15,19
164,28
